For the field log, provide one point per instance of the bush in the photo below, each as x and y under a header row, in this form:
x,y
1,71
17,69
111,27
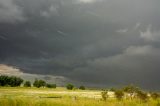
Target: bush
x,y
155,95
39,83
82,87
27,84
69,86
51,85
142,95
119,94
112,89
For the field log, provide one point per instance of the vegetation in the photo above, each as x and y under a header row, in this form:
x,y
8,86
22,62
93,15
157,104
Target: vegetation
x,y
104,95
27,84
69,86
82,87
119,94
142,95
51,85
112,89
131,89
155,95
12,95
19,96
39,83
10,81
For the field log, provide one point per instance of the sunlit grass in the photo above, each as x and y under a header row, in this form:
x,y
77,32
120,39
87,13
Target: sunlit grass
x,y
45,97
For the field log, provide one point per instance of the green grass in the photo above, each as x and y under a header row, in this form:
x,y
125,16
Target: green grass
x,y
55,97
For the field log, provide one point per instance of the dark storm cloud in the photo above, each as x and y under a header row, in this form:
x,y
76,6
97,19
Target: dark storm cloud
x,y
109,42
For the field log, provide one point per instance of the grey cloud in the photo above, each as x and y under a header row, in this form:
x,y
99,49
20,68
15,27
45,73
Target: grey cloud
x,y
150,35
137,64
88,1
10,71
10,12
101,42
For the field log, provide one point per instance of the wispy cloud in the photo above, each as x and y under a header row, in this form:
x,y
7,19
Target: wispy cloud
x,y
10,12
150,35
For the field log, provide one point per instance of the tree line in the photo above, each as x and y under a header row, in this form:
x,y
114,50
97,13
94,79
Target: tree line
x,y
13,81
10,81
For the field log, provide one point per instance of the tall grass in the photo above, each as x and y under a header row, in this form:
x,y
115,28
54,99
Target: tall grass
x,y
21,97
71,102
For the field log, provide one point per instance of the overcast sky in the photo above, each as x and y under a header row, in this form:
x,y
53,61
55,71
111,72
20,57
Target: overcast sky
x,y
100,42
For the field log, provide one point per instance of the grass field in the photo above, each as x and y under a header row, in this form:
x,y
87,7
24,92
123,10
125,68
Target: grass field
x,y
61,97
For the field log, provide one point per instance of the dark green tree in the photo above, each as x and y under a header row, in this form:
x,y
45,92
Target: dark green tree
x,y
10,81
14,81
51,85
27,84
4,80
82,87
69,86
36,83
42,83
39,83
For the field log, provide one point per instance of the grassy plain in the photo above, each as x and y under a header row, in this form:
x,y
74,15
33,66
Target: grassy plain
x,y
61,97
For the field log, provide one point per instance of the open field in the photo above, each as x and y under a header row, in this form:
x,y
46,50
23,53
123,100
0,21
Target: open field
x,y
62,97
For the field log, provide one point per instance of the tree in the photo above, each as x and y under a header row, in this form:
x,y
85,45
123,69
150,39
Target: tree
x,y
4,80
42,83
10,81
82,87
27,84
69,86
15,81
39,83
36,83
51,85
119,94
131,89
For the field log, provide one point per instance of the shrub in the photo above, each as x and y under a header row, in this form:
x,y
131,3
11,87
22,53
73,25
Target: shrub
x,y
155,95
112,89
104,95
82,87
27,84
51,85
119,94
69,86
142,95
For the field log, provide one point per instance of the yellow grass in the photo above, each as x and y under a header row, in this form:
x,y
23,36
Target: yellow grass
x,y
62,97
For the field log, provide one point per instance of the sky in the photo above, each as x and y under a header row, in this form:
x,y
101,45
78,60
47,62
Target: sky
x,y
96,42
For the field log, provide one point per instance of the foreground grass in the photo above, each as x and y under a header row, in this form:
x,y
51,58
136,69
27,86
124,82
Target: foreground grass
x,y
54,97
